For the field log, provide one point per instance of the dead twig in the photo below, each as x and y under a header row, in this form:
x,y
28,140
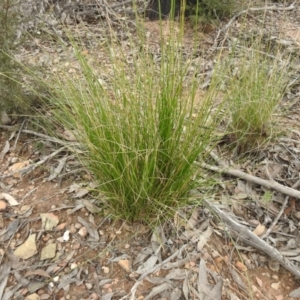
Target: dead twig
x,y
31,167
50,139
18,136
266,183
248,237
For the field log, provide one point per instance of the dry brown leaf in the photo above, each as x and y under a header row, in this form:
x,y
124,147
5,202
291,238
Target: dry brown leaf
x,y
240,266
18,166
2,205
38,272
125,264
259,281
259,230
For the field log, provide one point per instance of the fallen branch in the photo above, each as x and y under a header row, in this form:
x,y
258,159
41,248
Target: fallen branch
x,y
31,167
248,237
50,138
266,183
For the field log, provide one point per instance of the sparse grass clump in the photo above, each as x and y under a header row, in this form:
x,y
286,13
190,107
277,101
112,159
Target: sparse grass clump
x,y
140,128
255,88
10,89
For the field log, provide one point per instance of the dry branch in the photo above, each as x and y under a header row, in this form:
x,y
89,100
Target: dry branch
x,y
248,237
266,183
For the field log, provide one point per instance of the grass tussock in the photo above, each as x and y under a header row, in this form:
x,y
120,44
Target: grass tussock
x,y
10,89
256,85
140,127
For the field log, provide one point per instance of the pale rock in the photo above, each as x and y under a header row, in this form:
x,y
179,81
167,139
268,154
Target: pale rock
x,y
89,286
66,235
33,297
77,225
72,229
48,252
82,232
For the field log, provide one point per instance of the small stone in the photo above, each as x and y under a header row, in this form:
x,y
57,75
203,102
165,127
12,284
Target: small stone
x,y
297,214
56,279
105,269
275,285
82,232
45,297
72,229
77,225
73,266
14,160
3,205
89,286
254,288
66,235
33,297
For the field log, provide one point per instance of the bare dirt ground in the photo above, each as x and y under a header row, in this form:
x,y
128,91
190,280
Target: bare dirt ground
x,y
55,243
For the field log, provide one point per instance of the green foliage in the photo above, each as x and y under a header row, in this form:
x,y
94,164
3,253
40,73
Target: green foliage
x,y
10,88
138,136
256,85
205,11
197,10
